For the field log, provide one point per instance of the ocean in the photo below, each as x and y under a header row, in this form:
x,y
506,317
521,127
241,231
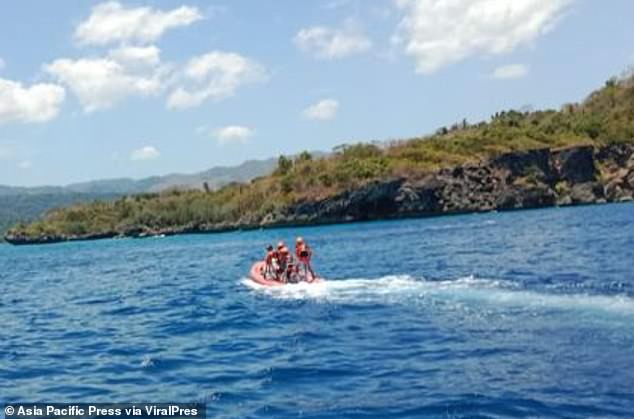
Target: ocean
x,y
515,314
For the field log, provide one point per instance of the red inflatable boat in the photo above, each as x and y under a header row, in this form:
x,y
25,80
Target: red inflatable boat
x,y
257,275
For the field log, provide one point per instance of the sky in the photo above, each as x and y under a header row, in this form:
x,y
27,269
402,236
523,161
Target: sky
x,y
94,90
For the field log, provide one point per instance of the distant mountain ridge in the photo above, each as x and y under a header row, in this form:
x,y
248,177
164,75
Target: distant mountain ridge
x,y
215,178
25,204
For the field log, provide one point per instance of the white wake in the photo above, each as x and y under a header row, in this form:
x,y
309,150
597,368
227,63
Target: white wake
x,y
403,288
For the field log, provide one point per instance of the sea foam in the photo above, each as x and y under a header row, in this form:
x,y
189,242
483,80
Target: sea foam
x,y
404,288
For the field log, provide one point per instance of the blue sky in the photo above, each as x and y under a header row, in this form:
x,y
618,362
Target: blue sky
x,y
97,89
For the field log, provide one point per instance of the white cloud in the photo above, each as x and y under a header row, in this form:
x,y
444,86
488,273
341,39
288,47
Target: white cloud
x,y
145,153
100,83
216,75
26,164
38,103
512,71
233,134
323,110
137,56
438,33
112,22
329,43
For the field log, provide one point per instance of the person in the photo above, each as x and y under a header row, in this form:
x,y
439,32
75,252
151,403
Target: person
x,y
278,251
291,274
304,254
283,257
270,267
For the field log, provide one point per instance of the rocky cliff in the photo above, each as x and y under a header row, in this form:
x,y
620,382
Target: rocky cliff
x,y
531,179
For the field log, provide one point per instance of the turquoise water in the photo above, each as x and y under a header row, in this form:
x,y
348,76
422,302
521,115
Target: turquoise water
x,y
521,314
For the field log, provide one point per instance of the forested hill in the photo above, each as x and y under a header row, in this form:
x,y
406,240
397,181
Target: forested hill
x,y
510,161
26,204
16,207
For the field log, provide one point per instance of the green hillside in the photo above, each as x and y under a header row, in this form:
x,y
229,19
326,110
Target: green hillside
x,y
21,207
26,204
605,117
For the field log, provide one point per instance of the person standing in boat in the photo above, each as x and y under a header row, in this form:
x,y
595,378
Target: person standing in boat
x,y
304,254
287,267
271,263
283,257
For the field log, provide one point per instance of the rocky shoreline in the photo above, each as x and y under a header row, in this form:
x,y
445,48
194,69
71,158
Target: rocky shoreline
x,y
529,179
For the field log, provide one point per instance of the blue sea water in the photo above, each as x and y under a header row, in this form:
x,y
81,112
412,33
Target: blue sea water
x,y
518,314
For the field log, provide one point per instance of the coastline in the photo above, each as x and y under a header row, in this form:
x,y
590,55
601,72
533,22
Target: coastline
x,y
578,175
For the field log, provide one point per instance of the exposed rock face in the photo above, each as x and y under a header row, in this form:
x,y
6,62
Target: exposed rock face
x,y
618,172
531,179
575,165
373,201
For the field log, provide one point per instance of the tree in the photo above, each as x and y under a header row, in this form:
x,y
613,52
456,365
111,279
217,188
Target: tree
x,y
361,151
612,82
442,131
284,165
340,149
304,156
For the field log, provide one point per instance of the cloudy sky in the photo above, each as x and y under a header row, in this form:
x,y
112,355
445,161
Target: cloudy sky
x,y
135,88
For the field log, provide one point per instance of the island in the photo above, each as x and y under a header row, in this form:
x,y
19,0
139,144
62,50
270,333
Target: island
x,y
580,154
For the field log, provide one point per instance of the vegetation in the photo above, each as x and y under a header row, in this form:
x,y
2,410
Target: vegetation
x,y
29,206
606,116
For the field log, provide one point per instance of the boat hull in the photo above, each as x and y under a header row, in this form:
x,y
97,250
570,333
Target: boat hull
x,y
257,275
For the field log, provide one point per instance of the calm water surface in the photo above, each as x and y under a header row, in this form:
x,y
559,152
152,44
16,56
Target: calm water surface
x,y
513,314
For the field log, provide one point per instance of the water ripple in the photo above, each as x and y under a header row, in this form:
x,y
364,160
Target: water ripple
x,y
523,314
